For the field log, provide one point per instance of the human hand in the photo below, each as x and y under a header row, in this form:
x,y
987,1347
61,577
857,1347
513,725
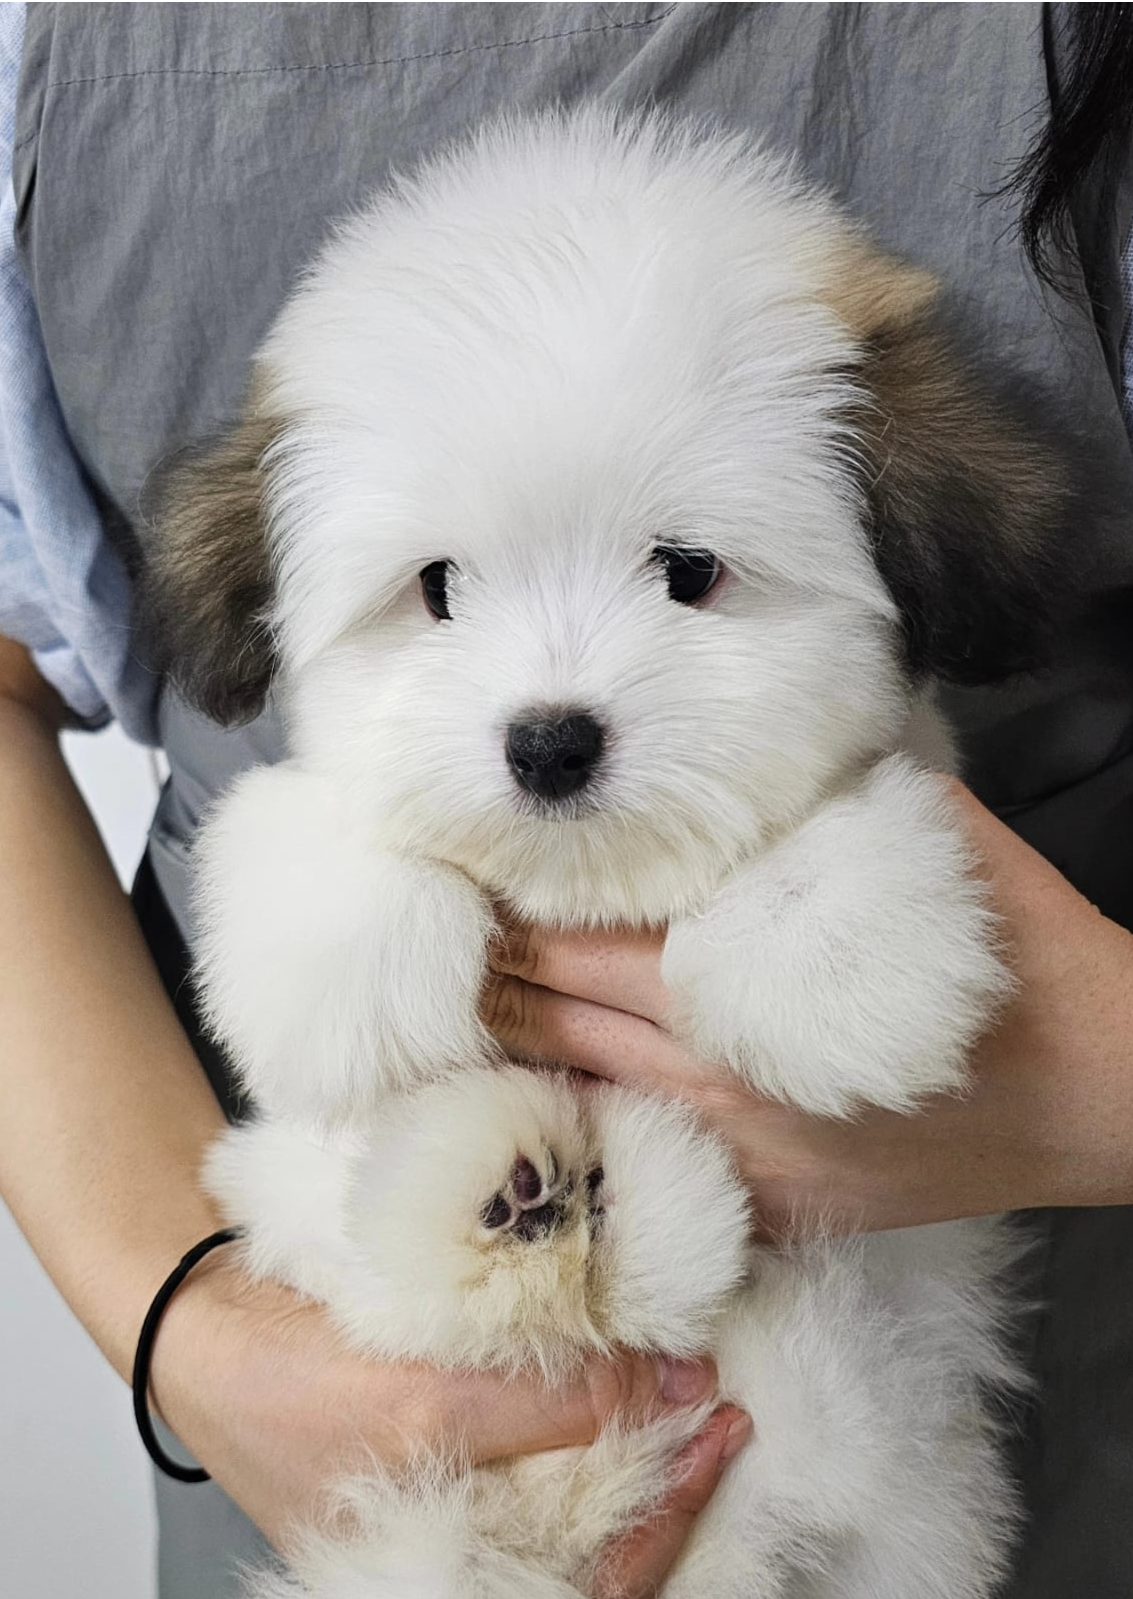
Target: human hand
x,y
258,1384
1047,1120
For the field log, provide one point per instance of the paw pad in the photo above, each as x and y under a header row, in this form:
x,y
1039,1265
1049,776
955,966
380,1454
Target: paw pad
x,y
526,1183
532,1203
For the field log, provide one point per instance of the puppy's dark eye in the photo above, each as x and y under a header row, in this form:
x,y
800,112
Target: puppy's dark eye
x,y
434,589
691,573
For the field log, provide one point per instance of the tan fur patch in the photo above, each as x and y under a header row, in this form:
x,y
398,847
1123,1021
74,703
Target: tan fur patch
x,y
867,289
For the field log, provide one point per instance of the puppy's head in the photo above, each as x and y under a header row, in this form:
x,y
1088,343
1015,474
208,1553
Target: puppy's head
x,y
601,498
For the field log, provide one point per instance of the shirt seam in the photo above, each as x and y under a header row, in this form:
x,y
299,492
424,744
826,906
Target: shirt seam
x,y
373,61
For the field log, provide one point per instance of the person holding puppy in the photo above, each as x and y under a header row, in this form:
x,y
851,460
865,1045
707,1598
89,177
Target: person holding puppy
x,y
104,1113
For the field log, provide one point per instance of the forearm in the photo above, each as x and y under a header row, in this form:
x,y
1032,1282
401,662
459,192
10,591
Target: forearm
x,y
104,1112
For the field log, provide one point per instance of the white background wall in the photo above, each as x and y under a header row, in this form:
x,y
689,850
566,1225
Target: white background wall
x,y
76,1504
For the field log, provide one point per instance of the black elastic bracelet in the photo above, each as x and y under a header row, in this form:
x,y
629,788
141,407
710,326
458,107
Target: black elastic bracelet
x,y
144,1355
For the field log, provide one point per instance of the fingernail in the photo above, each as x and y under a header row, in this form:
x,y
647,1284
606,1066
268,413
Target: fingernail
x,y
685,1382
738,1433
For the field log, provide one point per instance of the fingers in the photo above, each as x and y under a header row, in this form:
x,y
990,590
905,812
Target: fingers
x,y
618,969
497,1416
542,1024
635,1566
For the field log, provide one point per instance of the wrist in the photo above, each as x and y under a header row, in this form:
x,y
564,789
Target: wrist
x,y
113,1305
202,1341
205,1369
257,1385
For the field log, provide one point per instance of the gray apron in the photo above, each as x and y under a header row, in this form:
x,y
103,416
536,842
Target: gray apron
x,y
176,164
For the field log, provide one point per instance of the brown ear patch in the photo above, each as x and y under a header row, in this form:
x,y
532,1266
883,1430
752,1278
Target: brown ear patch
x,y
207,590
968,497
868,290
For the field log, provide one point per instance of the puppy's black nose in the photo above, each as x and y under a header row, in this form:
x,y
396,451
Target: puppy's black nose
x,y
554,757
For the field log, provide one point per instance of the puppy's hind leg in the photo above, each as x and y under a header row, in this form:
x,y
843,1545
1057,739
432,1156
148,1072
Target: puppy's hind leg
x,y
285,1189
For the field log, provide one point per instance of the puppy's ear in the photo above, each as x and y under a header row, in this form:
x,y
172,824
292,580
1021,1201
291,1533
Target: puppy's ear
x,y
968,502
207,589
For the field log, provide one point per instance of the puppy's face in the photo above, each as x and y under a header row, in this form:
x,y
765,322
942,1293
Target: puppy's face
x,y
573,465
618,628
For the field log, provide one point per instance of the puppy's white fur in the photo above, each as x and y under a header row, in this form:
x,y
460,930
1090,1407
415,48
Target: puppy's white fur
x,y
874,1472
559,347
801,1020
334,970
515,363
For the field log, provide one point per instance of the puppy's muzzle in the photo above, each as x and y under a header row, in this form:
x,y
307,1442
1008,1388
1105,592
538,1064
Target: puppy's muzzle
x,y
555,757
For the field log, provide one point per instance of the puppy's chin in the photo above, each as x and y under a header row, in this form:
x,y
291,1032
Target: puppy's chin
x,y
599,868
640,860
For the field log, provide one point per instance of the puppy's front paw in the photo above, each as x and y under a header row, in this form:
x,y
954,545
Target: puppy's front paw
x,y
336,973
855,961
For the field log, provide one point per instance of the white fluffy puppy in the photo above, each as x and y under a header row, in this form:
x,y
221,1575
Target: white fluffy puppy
x,y
604,509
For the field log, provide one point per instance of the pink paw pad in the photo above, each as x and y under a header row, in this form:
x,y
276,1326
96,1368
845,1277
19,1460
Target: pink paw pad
x,y
530,1206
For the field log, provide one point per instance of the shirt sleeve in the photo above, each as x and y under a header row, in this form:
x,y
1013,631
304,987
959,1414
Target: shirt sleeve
x,y
63,590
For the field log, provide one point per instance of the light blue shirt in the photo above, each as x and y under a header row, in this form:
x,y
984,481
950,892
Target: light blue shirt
x,y
63,590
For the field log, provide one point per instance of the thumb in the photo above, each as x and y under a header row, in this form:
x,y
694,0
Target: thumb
x,y
497,1416
634,1566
